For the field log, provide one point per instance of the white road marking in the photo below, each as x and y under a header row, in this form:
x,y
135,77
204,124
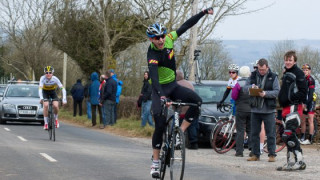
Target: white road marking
x,y
21,138
7,129
48,157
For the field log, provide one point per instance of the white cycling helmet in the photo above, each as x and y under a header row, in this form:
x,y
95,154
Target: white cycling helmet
x,y
233,67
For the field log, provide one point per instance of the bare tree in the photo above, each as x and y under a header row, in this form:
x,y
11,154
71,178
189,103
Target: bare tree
x,y
173,13
276,58
213,62
25,24
119,23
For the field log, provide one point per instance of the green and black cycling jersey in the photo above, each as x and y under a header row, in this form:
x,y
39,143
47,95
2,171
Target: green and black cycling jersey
x,y
162,63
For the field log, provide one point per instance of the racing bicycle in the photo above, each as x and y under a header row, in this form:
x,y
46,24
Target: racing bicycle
x,y
173,154
223,134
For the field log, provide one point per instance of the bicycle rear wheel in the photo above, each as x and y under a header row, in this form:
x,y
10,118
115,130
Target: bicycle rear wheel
x,y
177,160
223,139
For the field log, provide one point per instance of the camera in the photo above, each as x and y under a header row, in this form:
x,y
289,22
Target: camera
x,y
197,52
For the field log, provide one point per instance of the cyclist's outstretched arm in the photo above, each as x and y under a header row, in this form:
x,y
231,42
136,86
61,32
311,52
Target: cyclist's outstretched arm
x,y
192,21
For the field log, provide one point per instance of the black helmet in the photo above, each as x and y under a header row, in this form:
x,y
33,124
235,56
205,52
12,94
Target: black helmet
x,y
48,69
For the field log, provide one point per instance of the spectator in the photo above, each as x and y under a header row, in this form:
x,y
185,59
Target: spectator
x,y
194,126
309,107
263,108
87,98
94,98
119,90
77,92
146,91
243,110
101,89
262,132
109,98
291,97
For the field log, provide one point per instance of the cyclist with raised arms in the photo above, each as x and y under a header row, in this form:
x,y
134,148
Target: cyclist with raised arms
x,y
47,89
162,68
233,73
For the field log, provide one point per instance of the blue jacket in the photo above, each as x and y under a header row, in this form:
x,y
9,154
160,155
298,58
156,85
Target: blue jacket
x,y
119,88
77,91
94,92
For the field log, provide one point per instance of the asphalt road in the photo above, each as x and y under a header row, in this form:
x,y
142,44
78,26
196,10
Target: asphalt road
x,y
26,153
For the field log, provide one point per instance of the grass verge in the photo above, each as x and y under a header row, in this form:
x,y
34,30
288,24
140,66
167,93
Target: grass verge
x,y
129,127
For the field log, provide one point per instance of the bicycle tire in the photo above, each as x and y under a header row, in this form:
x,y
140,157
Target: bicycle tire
x,y
213,130
50,122
177,155
53,129
221,141
279,143
164,155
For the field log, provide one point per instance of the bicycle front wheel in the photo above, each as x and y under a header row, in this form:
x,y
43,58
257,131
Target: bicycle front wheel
x,y
54,129
177,159
50,126
224,138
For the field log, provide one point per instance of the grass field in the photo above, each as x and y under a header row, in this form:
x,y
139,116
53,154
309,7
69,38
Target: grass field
x,y
129,127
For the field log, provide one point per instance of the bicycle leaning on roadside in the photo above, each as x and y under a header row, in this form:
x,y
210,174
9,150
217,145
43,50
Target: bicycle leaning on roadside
x,y
223,134
173,153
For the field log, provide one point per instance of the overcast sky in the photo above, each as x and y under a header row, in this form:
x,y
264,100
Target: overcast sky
x,y
284,20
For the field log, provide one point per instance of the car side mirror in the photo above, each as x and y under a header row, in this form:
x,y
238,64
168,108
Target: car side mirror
x,y
1,94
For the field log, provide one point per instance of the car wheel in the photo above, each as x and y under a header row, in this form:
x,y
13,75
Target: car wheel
x,y
2,121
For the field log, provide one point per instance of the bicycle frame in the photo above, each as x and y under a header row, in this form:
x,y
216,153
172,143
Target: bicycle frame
x,y
173,131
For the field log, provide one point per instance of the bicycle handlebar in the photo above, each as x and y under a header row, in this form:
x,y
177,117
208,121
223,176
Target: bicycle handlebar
x,y
224,107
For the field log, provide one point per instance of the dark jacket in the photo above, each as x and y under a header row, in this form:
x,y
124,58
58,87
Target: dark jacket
x,y
146,91
293,89
86,88
77,91
241,97
110,90
94,93
271,88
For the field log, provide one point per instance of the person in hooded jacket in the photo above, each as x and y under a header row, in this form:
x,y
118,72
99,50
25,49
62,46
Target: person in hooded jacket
x,y
77,92
94,95
146,91
119,90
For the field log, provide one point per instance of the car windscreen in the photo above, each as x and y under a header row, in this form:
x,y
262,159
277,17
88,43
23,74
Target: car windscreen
x,y
23,91
210,93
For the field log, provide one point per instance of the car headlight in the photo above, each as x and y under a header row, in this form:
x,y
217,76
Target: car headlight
x,y
9,106
207,119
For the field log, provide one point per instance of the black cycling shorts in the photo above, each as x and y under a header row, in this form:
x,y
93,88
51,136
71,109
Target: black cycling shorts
x,y
50,94
310,108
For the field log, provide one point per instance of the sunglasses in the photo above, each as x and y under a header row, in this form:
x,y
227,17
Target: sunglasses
x,y
232,72
48,72
158,37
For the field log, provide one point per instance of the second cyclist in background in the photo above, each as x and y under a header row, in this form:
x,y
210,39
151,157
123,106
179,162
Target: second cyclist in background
x,y
233,73
47,89
309,107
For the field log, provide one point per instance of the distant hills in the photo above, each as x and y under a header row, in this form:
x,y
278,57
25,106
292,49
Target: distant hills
x,y
245,52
